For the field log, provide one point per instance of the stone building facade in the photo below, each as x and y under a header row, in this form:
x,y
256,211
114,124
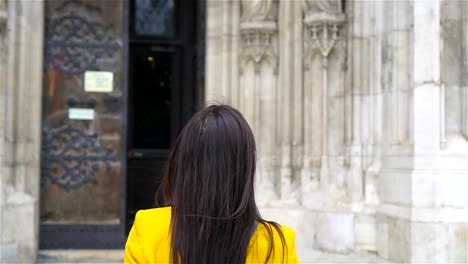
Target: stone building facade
x,y
360,111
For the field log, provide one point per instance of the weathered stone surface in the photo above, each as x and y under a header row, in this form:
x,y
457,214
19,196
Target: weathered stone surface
x,y
335,232
360,147
20,129
394,152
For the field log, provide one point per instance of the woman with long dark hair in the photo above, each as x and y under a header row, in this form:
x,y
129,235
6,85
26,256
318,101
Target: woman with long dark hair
x,y
211,215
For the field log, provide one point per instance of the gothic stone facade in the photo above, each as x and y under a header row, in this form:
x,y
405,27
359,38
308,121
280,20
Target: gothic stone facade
x,y
360,110
361,119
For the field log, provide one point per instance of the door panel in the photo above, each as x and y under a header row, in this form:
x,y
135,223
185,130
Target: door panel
x,y
83,136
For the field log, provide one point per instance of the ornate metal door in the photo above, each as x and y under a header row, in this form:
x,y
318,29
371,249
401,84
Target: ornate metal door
x,y
84,119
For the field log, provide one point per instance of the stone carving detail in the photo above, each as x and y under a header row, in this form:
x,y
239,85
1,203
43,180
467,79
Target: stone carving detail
x,y
258,28
258,35
322,22
258,10
3,17
75,39
323,6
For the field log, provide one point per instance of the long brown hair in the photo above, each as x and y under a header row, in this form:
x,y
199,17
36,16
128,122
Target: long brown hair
x,y
209,182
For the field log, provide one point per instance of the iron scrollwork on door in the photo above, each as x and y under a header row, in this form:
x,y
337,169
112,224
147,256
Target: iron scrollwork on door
x,y
72,157
76,38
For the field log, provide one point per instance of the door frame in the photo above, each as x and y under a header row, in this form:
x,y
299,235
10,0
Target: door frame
x,y
191,18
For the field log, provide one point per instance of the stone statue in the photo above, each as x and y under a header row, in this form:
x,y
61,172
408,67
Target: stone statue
x,y
258,10
323,6
3,16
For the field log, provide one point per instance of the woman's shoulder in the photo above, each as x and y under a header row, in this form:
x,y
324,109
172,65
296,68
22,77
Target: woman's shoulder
x,y
266,227
155,218
149,239
155,212
283,243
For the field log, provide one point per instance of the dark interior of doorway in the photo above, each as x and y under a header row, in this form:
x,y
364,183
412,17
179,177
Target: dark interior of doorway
x,y
165,80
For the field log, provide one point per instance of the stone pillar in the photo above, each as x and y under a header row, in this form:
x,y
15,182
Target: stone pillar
x,y
222,44
322,35
259,70
331,219
463,9
5,243
20,94
422,217
288,87
246,41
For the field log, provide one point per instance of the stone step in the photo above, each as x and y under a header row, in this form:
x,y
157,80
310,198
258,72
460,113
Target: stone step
x,y
116,256
80,256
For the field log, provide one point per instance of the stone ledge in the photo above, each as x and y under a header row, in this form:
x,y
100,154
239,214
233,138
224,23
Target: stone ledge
x,y
116,256
80,256
429,215
323,257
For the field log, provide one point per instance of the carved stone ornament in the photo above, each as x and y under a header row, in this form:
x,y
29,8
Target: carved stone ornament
x,y
3,17
257,44
258,28
323,20
258,10
323,6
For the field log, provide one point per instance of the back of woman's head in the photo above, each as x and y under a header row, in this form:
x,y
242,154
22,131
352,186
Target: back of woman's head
x,y
209,182
212,165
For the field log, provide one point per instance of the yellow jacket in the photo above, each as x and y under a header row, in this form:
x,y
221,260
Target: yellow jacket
x,y
149,240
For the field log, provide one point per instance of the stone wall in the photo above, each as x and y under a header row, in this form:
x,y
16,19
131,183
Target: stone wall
x,y
3,54
361,129
360,114
21,37
427,203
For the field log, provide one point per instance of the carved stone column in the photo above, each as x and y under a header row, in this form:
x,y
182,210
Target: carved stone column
x,y
323,21
464,109
3,73
258,68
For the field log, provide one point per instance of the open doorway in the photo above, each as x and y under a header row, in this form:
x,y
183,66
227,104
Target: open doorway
x,y
163,89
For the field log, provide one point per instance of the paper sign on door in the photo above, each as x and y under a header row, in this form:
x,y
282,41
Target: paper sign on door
x,y
98,81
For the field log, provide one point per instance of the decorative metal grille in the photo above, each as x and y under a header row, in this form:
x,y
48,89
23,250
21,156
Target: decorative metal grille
x,y
75,38
155,17
72,157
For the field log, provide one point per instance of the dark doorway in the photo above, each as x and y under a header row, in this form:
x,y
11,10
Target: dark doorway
x,y
163,87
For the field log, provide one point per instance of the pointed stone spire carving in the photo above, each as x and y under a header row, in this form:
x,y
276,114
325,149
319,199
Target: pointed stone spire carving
x,y
258,28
